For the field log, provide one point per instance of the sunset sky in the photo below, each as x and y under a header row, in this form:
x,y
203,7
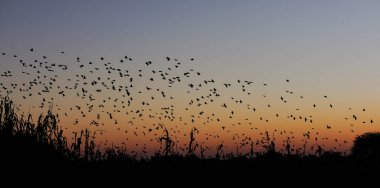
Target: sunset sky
x,y
322,47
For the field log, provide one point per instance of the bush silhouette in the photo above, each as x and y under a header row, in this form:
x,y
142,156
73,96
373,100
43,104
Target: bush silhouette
x,y
367,147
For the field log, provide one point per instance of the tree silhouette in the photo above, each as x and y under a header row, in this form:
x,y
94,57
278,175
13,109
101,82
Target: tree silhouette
x,y
367,147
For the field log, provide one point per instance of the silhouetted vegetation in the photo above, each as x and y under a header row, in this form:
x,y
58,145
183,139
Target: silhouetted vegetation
x,y
366,148
40,150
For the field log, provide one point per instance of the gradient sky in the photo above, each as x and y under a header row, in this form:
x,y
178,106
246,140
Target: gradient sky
x,y
323,47
332,44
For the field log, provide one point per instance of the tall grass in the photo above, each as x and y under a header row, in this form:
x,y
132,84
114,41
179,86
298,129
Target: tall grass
x,y
48,133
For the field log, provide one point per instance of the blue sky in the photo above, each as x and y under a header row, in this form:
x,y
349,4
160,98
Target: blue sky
x,y
328,45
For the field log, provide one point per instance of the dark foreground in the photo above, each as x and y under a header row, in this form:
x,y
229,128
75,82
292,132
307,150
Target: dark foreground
x,y
22,160
38,154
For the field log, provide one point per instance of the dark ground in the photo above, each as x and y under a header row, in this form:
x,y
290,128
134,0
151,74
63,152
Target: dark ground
x,y
22,159
38,154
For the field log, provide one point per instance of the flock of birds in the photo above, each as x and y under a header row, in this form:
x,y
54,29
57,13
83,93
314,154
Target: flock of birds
x,y
131,102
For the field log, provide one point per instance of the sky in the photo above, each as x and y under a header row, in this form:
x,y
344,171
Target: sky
x,y
322,47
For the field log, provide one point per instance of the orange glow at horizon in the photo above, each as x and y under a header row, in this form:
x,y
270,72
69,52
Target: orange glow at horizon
x,y
126,103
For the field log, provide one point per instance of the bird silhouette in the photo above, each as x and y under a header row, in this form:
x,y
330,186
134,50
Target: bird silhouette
x,y
108,92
